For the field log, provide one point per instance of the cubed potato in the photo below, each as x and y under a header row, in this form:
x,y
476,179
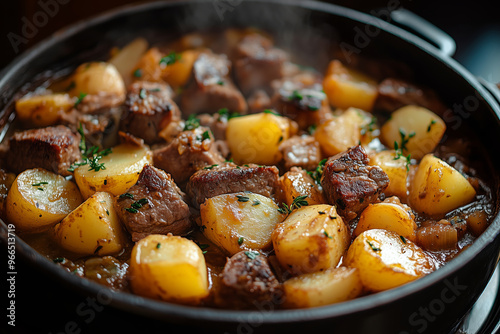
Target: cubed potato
x,y
388,216
425,128
297,184
97,78
385,260
438,188
148,67
122,168
255,138
178,73
311,239
342,132
38,199
93,228
126,59
346,87
240,221
396,169
333,285
169,268
43,110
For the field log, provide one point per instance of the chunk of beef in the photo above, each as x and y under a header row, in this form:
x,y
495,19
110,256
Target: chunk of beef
x,y
100,129
258,63
217,124
149,109
395,93
350,183
160,210
53,148
259,101
305,103
211,88
229,178
300,151
188,152
248,281
95,103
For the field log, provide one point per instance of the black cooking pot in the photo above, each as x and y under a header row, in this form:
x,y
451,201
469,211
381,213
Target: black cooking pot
x,y
433,304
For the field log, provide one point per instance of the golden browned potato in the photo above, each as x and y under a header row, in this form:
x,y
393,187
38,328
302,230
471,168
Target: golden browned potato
x,y
298,183
333,285
39,199
97,78
122,168
422,129
240,221
169,268
397,169
341,132
438,188
43,110
385,260
311,239
93,228
178,73
346,87
126,59
255,138
392,216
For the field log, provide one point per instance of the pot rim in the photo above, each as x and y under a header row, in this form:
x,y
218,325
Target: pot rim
x,y
152,308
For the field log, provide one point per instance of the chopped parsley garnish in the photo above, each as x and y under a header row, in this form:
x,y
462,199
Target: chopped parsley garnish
x,y
220,82
142,93
312,108
401,147
312,129
375,249
205,135
127,195
226,115
296,96
403,239
240,241
269,111
134,207
430,125
39,184
90,156
203,247
191,123
242,198
107,212
318,172
138,73
158,245
80,99
251,255
131,210
327,235
255,203
210,167
170,59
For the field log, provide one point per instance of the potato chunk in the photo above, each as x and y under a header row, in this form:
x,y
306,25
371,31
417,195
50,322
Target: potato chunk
x,y
169,268
39,199
396,169
43,110
312,238
125,60
421,127
93,228
97,78
122,168
256,138
342,132
296,182
385,260
389,216
240,221
320,288
438,188
346,87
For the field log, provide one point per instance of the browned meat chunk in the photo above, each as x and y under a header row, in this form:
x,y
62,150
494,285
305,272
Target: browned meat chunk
x,y
107,271
394,94
188,152
258,101
95,103
216,122
150,108
229,178
248,281
53,148
300,151
257,63
350,183
211,88
100,129
154,205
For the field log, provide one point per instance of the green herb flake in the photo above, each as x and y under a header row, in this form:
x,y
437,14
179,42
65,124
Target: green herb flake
x,y
158,245
205,135
39,188
251,255
39,184
220,82
255,203
107,212
131,210
321,212
269,111
430,125
127,195
312,129
403,239
296,96
138,73
327,235
242,198
210,167
142,93
80,99
191,123
375,249
170,59
240,241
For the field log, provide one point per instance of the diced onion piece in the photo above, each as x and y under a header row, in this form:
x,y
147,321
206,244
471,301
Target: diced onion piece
x,y
437,237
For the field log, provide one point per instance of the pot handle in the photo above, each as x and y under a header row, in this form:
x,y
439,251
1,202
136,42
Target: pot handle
x,y
444,42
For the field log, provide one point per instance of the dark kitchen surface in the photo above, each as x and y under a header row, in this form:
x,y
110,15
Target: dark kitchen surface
x,y
43,306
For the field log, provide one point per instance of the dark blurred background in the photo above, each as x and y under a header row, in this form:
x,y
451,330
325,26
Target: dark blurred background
x,y
475,26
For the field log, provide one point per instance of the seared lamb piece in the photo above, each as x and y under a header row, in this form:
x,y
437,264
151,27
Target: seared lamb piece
x,y
248,281
211,88
53,148
230,178
149,109
300,151
154,205
395,93
188,152
351,184
257,63
95,103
